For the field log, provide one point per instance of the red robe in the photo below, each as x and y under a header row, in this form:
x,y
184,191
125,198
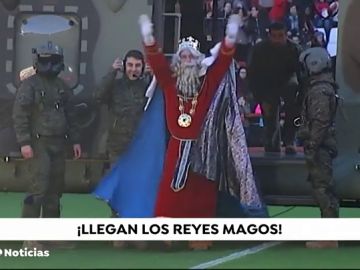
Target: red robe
x,y
198,197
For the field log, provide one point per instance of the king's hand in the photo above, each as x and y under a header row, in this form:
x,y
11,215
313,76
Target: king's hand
x,y
232,29
146,28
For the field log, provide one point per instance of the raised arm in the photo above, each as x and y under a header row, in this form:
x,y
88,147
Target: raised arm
x,y
103,91
156,59
225,53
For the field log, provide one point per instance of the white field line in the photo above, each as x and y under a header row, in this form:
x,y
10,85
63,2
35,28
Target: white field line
x,y
236,255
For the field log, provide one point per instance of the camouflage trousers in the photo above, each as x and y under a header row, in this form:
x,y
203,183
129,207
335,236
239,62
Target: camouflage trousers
x,y
321,179
117,143
115,147
47,172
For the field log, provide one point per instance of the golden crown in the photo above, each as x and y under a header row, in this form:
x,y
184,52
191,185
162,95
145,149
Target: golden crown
x,y
189,42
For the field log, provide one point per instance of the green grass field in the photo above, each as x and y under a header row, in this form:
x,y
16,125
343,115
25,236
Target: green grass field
x,y
100,255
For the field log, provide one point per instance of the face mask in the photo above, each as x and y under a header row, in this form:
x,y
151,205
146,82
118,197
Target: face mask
x,y
51,66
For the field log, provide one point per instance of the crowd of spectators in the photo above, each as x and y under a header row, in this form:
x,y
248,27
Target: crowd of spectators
x,y
308,24
301,17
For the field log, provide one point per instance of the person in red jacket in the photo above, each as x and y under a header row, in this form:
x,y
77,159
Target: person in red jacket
x,y
322,8
278,11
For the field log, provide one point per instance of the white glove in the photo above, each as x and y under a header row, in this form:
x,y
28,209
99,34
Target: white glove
x,y
232,29
215,50
208,61
146,28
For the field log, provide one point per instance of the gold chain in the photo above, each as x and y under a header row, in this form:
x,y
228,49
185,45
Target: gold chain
x,y
194,103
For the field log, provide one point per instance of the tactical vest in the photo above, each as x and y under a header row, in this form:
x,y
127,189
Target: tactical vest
x,y
49,117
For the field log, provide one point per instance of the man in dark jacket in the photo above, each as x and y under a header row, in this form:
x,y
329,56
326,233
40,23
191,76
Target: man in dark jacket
x,y
273,73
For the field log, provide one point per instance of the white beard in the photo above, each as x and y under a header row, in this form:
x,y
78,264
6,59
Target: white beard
x,y
188,81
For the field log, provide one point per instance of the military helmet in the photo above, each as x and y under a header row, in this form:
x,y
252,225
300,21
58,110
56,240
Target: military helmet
x,y
315,60
48,59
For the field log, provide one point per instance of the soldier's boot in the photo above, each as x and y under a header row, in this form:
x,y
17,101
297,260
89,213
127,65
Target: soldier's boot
x,y
329,208
31,209
330,212
322,244
51,209
200,245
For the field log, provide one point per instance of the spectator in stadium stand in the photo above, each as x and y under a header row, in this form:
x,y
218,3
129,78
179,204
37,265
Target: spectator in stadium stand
x,y
222,17
318,40
242,80
293,22
266,4
323,17
273,73
302,5
243,44
278,11
307,25
242,3
334,7
257,25
227,10
295,39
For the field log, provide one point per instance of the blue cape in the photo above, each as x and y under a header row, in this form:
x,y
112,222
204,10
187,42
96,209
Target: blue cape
x,y
130,188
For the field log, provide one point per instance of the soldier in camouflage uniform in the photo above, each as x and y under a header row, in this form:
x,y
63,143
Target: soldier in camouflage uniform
x,y
43,121
318,132
125,98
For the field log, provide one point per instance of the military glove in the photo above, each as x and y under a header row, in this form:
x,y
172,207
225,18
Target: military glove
x,y
232,29
146,28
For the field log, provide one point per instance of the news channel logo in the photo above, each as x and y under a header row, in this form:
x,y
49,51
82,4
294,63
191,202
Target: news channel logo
x,y
24,252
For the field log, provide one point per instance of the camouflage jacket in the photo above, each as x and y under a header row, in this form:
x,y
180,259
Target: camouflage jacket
x,y
42,108
125,99
318,112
